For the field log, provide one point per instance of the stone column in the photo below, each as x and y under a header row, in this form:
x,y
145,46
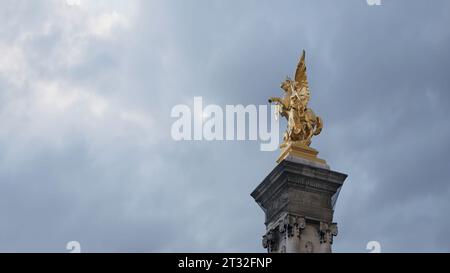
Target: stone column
x,y
298,199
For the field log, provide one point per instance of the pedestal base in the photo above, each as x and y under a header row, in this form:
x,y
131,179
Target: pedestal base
x,y
297,198
299,150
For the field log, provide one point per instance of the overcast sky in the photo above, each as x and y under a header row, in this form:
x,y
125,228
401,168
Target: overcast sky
x,y
86,93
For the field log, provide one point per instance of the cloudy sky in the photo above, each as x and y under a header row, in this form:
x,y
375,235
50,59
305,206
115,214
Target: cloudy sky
x,y
87,88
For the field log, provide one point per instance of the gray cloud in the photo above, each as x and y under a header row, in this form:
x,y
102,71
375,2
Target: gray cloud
x,y
85,101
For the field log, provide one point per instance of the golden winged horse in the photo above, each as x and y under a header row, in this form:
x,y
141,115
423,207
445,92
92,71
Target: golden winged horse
x,y
303,123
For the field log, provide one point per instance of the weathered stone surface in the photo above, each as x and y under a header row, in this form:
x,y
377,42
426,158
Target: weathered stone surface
x,y
297,199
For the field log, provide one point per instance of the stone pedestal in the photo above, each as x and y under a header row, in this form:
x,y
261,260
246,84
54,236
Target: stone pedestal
x,y
298,199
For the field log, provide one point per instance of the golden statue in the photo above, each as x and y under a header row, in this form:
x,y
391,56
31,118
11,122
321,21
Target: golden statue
x,y
303,123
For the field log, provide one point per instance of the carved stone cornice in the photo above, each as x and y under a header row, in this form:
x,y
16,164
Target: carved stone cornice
x,y
290,172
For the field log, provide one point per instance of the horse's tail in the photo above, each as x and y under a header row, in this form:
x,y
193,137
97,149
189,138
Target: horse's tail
x,y
319,126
